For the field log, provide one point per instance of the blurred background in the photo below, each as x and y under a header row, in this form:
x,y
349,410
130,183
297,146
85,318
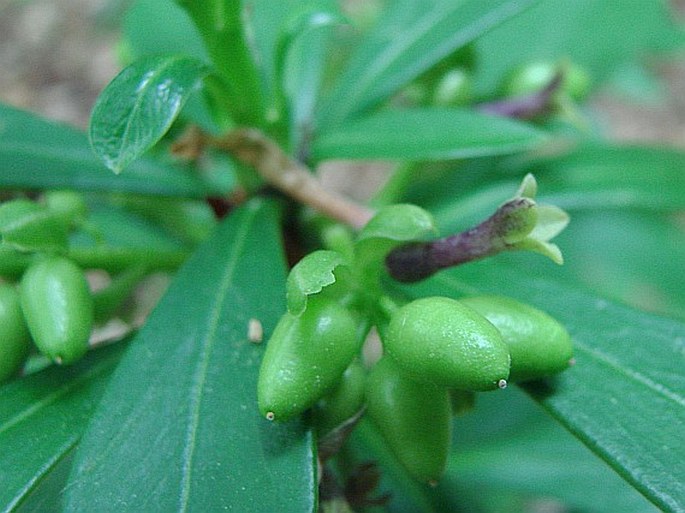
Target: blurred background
x,y
56,55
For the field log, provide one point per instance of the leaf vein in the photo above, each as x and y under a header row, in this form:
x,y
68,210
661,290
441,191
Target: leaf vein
x,y
200,374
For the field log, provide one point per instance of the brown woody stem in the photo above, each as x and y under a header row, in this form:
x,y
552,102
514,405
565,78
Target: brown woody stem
x,y
253,148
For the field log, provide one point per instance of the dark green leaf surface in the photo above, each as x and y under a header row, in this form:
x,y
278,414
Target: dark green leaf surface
x,y
425,134
157,27
303,52
42,417
267,21
507,448
624,398
37,153
138,107
179,429
410,38
600,35
597,175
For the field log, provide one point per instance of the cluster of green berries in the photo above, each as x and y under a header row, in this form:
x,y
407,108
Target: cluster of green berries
x,y
51,304
437,351
527,91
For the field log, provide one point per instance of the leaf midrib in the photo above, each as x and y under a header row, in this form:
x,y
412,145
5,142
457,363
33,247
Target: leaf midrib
x,y
200,374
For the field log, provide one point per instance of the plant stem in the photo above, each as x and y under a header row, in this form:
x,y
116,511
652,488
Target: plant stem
x,y
252,147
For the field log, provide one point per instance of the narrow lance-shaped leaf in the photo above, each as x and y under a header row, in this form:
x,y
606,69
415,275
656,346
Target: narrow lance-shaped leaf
x,y
301,53
425,134
410,38
40,154
624,397
42,417
178,428
138,107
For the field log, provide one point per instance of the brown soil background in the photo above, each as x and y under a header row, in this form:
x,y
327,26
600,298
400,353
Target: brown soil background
x,y
56,55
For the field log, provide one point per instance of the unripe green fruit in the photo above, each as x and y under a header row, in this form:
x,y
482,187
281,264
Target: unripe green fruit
x,y
69,205
538,344
305,358
414,418
58,308
15,340
533,77
438,339
453,89
344,402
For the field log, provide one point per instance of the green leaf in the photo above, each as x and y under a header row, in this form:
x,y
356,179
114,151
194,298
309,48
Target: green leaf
x,y
39,154
138,107
600,175
301,58
178,428
42,417
600,35
509,449
398,223
624,397
425,134
220,22
310,276
160,27
633,257
430,31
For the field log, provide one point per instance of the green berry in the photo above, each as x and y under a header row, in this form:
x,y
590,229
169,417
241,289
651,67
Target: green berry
x,y
58,308
68,205
414,418
438,339
539,345
344,402
15,340
535,76
453,89
305,358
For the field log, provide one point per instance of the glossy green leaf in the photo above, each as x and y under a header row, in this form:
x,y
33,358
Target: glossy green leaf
x,y
425,134
429,30
40,154
161,27
138,107
600,35
508,449
178,428
624,397
221,24
42,418
310,276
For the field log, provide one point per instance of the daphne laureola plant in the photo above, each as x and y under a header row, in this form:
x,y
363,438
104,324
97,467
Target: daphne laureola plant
x,y
361,339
